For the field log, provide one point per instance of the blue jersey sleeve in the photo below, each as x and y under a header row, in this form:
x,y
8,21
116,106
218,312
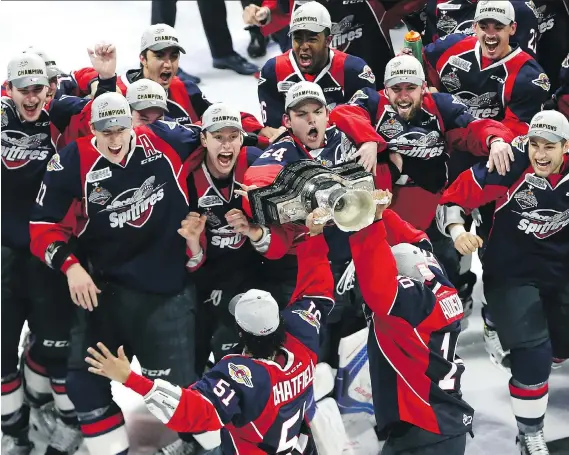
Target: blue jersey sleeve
x,y
197,98
434,51
270,100
184,140
357,76
368,99
527,31
453,111
61,110
238,388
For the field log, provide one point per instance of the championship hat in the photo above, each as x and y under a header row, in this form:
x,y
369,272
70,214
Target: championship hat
x,y
501,11
220,115
552,126
160,36
404,68
110,109
50,65
311,16
27,69
256,312
302,91
411,261
145,93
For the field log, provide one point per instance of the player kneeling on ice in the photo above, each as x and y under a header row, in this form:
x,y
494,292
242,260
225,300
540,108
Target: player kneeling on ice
x,y
258,398
414,326
525,263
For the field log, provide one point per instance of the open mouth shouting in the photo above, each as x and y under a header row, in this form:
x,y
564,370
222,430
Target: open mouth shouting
x,y
115,149
166,77
312,134
542,165
491,44
304,60
225,159
31,110
404,108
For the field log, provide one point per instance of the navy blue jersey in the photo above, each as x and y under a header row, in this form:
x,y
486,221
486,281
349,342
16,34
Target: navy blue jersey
x,y
260,404
131,210
414,329
510,90
340,79
529,241
27,148
224,248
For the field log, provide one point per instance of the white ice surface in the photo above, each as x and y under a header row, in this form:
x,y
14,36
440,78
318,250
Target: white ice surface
x,y
65,29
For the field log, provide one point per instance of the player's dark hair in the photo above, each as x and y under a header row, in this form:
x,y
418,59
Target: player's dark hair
x,y
263,347
326,32
563,142
144,54
10,86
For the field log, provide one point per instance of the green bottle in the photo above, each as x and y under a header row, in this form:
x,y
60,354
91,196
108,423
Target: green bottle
x,y
412,40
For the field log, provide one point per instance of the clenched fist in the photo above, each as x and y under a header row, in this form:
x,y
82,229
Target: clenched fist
x,y
467,243
192,228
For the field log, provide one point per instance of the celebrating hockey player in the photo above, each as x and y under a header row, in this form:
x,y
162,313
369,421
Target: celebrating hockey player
x,y
525,263
258,398
311,59
414,327
223,242
128,275
30,127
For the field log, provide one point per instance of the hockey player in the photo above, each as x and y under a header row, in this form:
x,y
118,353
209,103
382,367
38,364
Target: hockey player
x,y
417,126
224,261
441,18
560,99
128,270
258,398
159,59
30,127
311,59
525,262
414,327
359,28
493,78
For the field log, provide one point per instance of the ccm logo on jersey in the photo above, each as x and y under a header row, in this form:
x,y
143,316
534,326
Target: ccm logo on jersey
x,y
155,373
134,206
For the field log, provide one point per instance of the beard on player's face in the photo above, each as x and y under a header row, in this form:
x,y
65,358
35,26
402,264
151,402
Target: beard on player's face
x,y
406,99
160,66
29,101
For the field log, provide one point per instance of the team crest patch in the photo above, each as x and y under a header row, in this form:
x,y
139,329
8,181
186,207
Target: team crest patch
x,y
565,63
538,182
359,95
460,63
54,164
284,86
99,195
391,128
367,75
101,174
310,318
542,81
526,199
241,374
520,142
451,81
446,23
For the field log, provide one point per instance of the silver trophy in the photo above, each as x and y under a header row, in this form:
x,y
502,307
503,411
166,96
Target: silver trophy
x,y
344,191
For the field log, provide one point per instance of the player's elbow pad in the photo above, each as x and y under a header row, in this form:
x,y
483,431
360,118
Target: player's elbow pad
x,y
447,215
163,400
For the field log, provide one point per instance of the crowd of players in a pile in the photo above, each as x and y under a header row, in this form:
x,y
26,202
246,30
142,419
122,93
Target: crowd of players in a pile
x,y
127,196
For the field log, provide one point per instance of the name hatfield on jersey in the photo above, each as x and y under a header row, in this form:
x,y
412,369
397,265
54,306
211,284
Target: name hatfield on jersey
x,y
288,390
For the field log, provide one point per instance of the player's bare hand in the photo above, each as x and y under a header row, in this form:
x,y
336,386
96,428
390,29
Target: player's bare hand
x,y
104,59
240,223
396,159
272,133
501,155
244,188
82,288
104,363
405,51
255,15
191,229
467,243
316,220
382,199
367,154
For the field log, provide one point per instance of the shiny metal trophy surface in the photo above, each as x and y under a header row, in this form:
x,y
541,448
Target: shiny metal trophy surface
x,y
343,190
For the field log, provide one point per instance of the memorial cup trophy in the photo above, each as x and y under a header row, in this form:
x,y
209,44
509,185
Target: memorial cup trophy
x,y
343,191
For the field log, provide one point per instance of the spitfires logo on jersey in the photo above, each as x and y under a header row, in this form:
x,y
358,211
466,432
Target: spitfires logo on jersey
x,y
485,105
134,206
310,318
18,149
225,236
543,223
418,145
344,32
241,374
